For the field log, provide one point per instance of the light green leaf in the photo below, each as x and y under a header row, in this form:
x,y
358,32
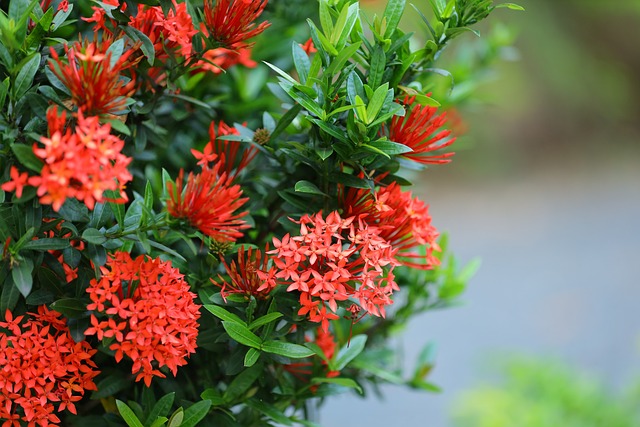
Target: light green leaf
x,y
349,352
223,314
251,357
307,187
294,351
128,415
344,382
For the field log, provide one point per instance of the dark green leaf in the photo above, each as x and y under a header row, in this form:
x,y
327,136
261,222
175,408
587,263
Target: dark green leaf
x,y
24,79
195,413
213,395
26,157
294,351
70,307
146,47
376,69
110,386
53,243
350,180
242,382
10,294
22,275
40,297
242,334
269,410
91,235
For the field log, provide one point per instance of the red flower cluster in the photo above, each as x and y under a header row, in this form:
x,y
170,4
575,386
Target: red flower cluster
x,y
150,311
404,221
244,278
41,367
209,202
417,130
95,84
81,164
332,260
220,59
231,22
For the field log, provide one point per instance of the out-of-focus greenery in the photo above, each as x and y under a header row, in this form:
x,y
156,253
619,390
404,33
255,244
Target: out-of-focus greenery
x,y
547,394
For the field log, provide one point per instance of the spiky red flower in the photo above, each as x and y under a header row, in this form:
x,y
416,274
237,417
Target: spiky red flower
x,y
403,220
42,369
209,202
231,22
220,59
80,164
150,313
419,130
243,275
96,85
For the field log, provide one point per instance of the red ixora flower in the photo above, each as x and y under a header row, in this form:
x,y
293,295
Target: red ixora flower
x,y
243,275
150,313
42,369
403,220
209,202
80,164
96,85
419,130
231,22
332,260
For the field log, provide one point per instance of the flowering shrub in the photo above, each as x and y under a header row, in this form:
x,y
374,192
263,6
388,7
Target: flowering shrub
x,y
203,211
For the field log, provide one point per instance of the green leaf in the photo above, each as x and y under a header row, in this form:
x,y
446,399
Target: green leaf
x,y
264,320
344,382
242,334
40,297
10,294
26,157
22,275
301,62
349,352
390,147
393,13
53,243
213,395
307,187
115,51
60,17
24,79
162,407
377,101
70,307
325,17
4,89
195,413
110,386
176,418
284,75
385,374
294,351
224,315
242,382
128,415
306,101
350,180
345,54
251,357
377,66
91,235
269,410
511,6
146,47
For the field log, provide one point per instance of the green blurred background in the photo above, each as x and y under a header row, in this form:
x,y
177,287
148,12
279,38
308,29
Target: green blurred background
x,y
544,189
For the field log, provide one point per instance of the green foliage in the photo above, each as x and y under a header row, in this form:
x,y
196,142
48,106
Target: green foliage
x,y
545,393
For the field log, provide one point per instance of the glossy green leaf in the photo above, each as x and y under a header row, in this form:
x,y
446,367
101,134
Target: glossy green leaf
x,y
224,315
24,79
349,352
392,14
91,235
195,413
511,6
263,320
301,62
128,415
110,385
242,334
26,157
307,187
251,357
70,307
22,275
294,351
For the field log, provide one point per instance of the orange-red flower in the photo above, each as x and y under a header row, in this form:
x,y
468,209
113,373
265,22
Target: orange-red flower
x,y
332,260
221,59
96,85
231,22
209,202
420,130
42,369
17,182
403,220
243,275
150,313
82,164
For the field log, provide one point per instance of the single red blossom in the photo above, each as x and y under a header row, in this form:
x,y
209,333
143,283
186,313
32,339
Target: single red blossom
x,y
243,275
17,182
150,311
99,17
231,22
96,85
220,59
209,202
43,370
419,130
80,164
308,46
403,220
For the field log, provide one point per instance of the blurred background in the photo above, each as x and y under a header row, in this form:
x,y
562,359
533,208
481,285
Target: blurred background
x,y
544,190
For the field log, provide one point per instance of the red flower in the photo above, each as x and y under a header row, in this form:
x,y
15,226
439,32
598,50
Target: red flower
x,y
151,313
404,221
17,182
332,260
244,277
417,130
231,22
81,164
308,47
220,59
209,203
42,367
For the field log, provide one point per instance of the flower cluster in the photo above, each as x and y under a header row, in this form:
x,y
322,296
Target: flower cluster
x,y
244,278
332,260
419,130
81,164
150,313
42,369
403,220
209,202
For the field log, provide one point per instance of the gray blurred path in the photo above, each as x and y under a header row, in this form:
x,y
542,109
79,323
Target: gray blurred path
x,y
560,277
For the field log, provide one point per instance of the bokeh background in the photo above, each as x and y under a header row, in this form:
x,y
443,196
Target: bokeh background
x,y
545,191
